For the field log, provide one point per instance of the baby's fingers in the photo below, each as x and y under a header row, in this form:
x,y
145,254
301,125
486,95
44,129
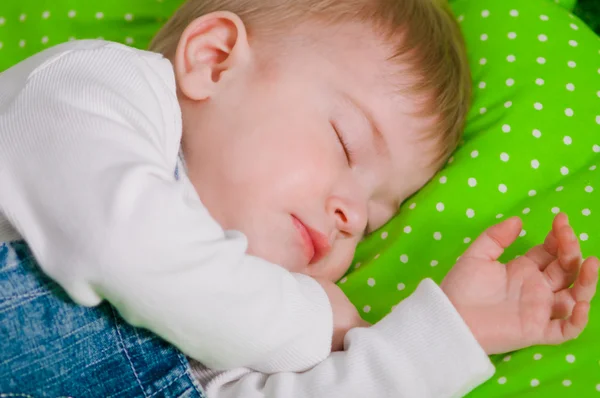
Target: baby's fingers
x,y
491,244
562,273
561,330
584,288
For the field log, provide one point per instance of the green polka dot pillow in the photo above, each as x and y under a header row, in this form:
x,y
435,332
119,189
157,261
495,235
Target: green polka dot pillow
x,y
531,148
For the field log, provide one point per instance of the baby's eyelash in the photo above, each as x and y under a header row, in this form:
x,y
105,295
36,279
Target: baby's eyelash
x,y
345,146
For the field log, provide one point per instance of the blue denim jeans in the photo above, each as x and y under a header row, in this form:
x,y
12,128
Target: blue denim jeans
x,y
52,347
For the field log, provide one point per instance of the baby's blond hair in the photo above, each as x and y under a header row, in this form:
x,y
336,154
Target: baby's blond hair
x,y
424,34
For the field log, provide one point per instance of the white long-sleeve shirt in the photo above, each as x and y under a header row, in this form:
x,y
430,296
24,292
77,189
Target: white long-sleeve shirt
x,y
89,138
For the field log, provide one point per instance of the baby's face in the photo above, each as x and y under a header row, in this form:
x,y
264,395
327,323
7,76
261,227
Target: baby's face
x,y
308,156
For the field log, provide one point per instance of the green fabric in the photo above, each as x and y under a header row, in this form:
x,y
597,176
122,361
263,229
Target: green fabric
x,y
435,226
501,142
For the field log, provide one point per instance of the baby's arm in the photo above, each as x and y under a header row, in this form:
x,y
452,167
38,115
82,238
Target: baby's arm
x,y
88,149
422,349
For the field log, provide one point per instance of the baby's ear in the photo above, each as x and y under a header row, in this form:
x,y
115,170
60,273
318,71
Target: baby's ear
x,y
213,48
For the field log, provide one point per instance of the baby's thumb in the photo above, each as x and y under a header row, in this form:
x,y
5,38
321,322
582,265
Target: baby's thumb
x,y
491,244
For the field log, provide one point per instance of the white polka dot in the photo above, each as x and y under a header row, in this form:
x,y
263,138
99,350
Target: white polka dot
x,y
482,61
514,13
566,382
22,17
412,206
532,192
128,17
570,358
534,383
467,240
440,207
567,140
538,106
571,64
512,35
401,286
542,38
522,233
586,212
564,170
537,133
544,17
474,154
344,279
539,82
22,43
526,210
2,21
598,94
99,15
597,387
482,85
499,216
502,380
485,13
404,258
541,60
535,163
482,110
506,128
1,45
598,119
371,282
72,14
569,112
583,236
384,235
559,189
502,188
504,157
537,357
437,236
433,263
508,104
511,58
376,256
483,37
506,358
357,265
510,82
44,39
593,167
555,210
470,213
407,229
129,40
451,159
443,179
46,14
472,182
367,309
573,43
596,148
571,87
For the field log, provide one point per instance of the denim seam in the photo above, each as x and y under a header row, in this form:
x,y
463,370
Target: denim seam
x,y
20,303
183,360
115,316
168,385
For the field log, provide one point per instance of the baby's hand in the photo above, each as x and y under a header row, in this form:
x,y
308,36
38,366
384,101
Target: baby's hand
x,y
528,301
345,315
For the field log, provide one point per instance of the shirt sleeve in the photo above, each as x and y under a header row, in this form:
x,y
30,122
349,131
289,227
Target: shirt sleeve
x,y
88,150
422,349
